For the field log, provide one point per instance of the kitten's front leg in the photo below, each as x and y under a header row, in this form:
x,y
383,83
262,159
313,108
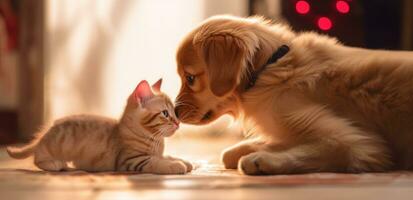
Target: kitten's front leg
x,y
151,164
231,155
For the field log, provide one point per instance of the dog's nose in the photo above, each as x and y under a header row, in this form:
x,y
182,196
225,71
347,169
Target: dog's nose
x,y
176,112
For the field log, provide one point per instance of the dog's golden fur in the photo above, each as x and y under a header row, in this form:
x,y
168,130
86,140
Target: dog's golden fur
x,y
321,107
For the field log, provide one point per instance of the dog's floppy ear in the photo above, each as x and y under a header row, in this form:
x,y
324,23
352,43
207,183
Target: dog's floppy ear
x,y
225,55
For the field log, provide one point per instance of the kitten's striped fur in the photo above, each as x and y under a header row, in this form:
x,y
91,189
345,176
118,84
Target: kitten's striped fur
x,y
94,143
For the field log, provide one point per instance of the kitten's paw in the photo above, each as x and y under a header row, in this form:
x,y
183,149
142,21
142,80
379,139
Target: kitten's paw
x,y
177,167
51,165
188,165
258,163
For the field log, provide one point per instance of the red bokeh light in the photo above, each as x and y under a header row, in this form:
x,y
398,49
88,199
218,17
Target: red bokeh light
x,y
302,7
342,7
324,23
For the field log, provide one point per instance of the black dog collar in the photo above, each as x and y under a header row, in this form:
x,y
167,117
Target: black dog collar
x,y
279,53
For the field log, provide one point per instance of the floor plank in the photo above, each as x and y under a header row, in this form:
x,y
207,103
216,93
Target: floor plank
x,y
19,179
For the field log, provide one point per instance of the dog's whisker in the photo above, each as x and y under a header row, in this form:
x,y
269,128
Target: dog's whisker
x,y
190,115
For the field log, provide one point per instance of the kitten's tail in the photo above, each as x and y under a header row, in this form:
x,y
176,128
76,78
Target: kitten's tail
x,y
27,150
23,152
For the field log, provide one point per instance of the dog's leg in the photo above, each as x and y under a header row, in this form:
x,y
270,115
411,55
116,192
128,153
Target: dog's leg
x,y
300,159
313,158
327,143
231,155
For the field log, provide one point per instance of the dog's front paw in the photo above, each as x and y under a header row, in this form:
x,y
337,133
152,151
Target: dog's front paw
x,y
230,158
259,163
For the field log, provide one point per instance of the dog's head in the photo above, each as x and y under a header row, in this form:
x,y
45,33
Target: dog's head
x,y
212,60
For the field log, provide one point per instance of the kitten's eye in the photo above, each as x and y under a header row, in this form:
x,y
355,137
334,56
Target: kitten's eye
x,y
165,113
190,79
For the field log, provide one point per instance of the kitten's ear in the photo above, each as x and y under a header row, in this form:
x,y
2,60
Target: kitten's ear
x,y
157,86
142,92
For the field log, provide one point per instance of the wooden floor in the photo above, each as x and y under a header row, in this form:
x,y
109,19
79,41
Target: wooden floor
x,y
19,179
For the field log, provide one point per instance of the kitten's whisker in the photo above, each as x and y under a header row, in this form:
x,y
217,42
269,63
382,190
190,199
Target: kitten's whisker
x,y
184,104
187,104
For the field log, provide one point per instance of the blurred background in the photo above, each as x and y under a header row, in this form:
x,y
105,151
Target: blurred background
x,y
62,57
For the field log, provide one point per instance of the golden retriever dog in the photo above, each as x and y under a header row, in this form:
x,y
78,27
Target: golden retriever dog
x,y
319,106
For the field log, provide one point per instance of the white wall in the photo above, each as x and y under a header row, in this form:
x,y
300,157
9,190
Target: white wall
x,y
97,51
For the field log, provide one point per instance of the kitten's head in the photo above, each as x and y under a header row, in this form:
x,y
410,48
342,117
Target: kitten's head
x,y
152,110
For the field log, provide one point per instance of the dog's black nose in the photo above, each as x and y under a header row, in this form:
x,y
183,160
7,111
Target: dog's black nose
x,y
176,112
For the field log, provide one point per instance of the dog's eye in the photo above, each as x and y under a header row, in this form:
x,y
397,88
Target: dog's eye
x,y
165,113
190,79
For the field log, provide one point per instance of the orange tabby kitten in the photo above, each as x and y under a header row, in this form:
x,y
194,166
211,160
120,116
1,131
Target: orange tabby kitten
x,y
94,143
